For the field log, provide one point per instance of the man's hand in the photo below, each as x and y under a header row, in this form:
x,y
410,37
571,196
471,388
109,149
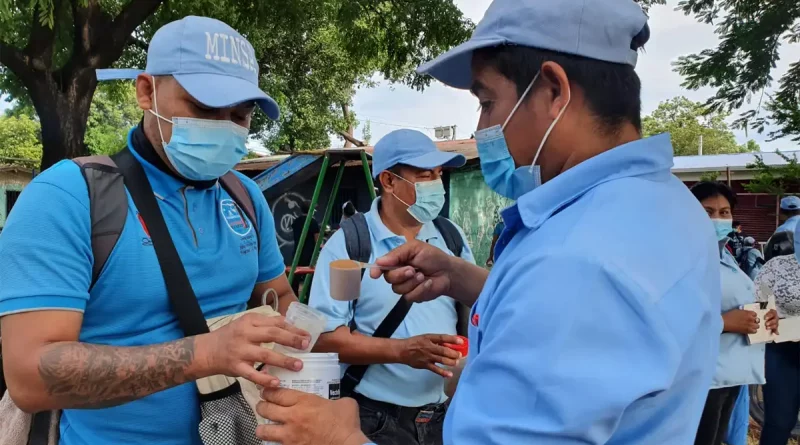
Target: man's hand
x,y
771,321
425,351
234,349
740,321
423,272
307,419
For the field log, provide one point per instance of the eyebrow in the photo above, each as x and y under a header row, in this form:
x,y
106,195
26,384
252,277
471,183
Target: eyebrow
x,y
477,87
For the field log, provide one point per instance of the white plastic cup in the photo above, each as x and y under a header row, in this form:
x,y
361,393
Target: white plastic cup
x,y
320,376
308,319
345,284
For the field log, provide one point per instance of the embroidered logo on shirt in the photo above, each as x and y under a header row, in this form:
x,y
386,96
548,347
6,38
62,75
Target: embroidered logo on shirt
x,y
475,319
234,217
146,241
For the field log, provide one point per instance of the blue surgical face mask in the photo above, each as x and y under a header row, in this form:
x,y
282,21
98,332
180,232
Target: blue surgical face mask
x,y
202,149
430,200
499,169
723,227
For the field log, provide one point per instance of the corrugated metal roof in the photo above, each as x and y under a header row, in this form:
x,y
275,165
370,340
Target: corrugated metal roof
x,y
738,161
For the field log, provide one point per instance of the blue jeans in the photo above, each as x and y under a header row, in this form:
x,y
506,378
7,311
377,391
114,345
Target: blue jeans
x,y
387,424
781,393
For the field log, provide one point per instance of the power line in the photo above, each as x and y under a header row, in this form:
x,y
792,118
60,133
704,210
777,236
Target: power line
x,y
397,124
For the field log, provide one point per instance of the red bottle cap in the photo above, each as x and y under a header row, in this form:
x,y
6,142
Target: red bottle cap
x,y
463,348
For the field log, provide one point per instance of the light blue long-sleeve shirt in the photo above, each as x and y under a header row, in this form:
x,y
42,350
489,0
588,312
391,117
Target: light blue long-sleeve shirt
x,y
579,342
789,225
394,382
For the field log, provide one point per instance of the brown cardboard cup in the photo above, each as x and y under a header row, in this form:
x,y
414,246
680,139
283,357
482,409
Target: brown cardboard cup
x,y
345,280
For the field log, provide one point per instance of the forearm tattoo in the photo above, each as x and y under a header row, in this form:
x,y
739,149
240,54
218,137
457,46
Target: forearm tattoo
x,y
82,375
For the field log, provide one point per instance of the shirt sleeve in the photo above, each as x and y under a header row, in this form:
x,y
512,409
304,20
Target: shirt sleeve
x,y
339,313
270,259
45,247
466,253
564,347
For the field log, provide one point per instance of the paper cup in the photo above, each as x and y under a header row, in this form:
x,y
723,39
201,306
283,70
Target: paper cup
x,y
345,280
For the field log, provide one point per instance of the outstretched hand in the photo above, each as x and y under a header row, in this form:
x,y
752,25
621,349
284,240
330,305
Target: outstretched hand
x,y
423,272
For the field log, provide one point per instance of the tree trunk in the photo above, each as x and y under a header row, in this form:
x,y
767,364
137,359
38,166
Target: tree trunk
x,y
63,113
350,129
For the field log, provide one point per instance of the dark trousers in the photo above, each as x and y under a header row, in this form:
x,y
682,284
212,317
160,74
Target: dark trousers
x,y
781,393
387,424
716,416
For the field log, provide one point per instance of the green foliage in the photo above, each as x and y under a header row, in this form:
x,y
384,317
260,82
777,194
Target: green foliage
x,y
709,176
367,132
313,54
687,121
114,111
751,33
19,141
777,180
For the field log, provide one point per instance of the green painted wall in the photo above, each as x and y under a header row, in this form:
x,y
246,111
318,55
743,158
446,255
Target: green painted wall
x,y
3,189
474,207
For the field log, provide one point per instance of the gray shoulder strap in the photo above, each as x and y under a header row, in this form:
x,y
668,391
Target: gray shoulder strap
x,y
108,207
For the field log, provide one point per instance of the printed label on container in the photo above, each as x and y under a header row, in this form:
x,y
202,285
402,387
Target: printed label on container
x,y
320,387
334,393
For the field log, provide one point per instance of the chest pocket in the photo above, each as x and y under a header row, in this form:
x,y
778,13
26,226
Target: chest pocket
x,y
108,205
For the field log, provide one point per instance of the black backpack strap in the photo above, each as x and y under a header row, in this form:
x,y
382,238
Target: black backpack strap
x,y
108,207
455,243
452,237
359,247
233,185
354,373
179,289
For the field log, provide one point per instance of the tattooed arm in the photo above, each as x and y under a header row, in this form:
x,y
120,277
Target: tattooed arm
x,y
46,367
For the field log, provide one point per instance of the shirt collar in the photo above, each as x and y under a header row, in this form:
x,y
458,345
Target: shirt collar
x,y
648,156
381,232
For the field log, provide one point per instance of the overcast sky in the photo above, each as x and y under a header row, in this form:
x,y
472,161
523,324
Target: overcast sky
x,y
673,34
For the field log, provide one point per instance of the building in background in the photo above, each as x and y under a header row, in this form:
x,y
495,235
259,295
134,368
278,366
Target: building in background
x,y
12,180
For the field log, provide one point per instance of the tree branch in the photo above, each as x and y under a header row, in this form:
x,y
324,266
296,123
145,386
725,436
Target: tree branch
x,y
139,43
14,60
42,39
349,138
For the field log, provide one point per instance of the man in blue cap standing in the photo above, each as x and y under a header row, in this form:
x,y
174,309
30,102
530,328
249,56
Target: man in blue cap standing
x,y
401,392
571,342
790,213
109,350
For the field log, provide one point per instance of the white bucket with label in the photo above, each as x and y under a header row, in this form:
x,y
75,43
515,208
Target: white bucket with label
x,y
320,376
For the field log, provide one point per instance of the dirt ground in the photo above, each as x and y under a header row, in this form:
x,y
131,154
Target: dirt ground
x,y
755,434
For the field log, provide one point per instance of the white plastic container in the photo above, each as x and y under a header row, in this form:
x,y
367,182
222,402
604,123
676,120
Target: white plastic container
x,y
306,318
320,376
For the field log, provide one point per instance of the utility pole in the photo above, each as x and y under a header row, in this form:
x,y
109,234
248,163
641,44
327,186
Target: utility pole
x,y
700,148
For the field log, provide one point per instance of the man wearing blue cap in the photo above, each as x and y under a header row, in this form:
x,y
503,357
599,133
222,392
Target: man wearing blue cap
x,y
790,214
571,341
401,393
109,350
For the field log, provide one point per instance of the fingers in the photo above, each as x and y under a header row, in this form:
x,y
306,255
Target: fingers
x,y
283,397
447,361
259,378
753,328
258,335
271,433
259,320
273,412
441,339
257,354
438,370
398,276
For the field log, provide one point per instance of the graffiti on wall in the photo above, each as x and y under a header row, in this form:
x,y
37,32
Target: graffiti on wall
x,y
286,209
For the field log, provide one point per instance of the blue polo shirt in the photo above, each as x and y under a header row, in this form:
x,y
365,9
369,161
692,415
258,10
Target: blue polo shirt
x,y
46,264
578,342
789,225
392,383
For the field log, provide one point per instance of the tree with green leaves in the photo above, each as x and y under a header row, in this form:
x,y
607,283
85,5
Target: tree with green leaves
x,y
741,67
778,180
691,124
19,141
312,54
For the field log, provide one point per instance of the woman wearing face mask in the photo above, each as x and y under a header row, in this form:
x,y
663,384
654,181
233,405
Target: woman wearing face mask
x,y
738,364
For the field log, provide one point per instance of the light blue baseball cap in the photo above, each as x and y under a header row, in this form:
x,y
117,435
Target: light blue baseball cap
x,y
413,148
790,203
595,29
209,59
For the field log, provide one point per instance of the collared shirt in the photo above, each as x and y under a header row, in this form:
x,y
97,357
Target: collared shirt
x,y
789,225
752,259
393,383
738,363
46,264
578,342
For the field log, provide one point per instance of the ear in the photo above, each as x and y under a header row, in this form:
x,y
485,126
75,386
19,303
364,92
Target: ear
x,y
387,181
557,85
144,91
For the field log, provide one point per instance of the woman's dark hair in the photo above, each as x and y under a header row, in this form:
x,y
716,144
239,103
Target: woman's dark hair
x,y
707,189
781,243
612,90
348,209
